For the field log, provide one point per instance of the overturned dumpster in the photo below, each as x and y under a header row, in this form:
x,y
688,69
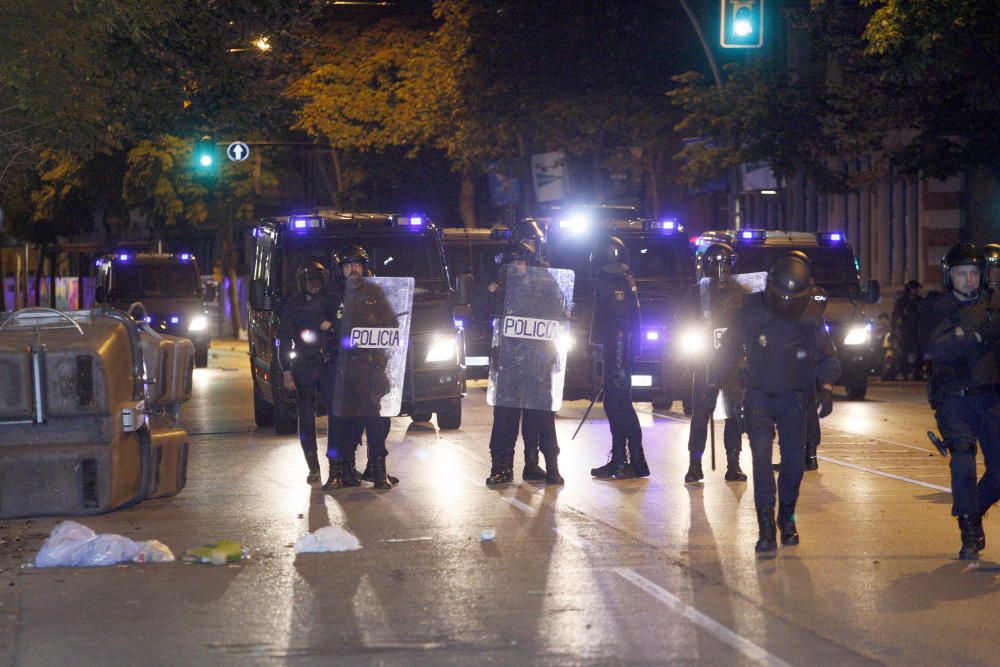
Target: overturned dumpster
x,y
89,402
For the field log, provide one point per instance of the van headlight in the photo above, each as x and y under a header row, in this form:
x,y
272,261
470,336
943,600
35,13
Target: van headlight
x,y
443,348
198,323
692,343
857,336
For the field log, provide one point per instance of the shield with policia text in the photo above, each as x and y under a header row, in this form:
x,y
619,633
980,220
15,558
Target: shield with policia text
x,y
531,338
722,307
374,331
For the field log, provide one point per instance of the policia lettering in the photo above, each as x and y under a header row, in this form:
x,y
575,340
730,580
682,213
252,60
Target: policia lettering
x,y
960,330
788,351
374,338
530,328
616,328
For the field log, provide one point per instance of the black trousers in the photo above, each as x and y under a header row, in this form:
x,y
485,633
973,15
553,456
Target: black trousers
x,y
624,423
786,411
311,381
503,437
964,420
346,432
700,417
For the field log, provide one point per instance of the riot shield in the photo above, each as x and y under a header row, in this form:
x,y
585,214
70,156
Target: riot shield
x,y
531,338
722,307
371,359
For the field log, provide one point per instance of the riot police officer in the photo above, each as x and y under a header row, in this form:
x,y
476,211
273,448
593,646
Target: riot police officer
x,y
992,253
960,329
787,350
720,300
362,381
616,329
487,304
306,320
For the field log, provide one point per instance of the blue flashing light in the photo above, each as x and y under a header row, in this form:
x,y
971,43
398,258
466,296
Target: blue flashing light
x,y
174,319
500,233
652,335
149,319
831,237
185,256
98,263
459,323
666,225
301,224
416,221
753,235
123,257
578,223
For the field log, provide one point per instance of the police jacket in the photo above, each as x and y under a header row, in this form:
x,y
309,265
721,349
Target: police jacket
x,y
783,354
616,314
299,320
905,321
961,338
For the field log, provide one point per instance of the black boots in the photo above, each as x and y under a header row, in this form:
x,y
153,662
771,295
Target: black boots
x,y
348,473
811,462
617,461
379,477
312,460
694,473
501,472
733,471
971,526
369,477
637,466
786,523
334,481
552,475
767,544
532,472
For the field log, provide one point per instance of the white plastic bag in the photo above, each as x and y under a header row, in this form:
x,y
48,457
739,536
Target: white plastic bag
x,y
74,545
330,538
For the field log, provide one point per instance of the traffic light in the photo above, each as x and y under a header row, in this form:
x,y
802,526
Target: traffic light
x,y
742,25
205,159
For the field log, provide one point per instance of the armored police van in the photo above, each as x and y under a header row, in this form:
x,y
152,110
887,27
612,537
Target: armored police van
x,y
835,269
471,255
397,246
663,263
169,290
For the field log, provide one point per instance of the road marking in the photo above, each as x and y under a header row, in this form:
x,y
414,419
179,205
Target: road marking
x,y
524,507
746,647
854,466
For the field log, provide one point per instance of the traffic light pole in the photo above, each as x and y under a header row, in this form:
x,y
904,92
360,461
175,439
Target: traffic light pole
x,y
732,201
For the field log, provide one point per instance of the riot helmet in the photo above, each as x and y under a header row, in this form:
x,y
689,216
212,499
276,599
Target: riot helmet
x,y
789,283
992,253
518,251
311,277
353,254
611,255
913,287
718,262
963,254
528,231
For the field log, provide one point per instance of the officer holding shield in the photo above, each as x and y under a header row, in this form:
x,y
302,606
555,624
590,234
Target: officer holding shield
x,y
787,349
960,329
527,362
616,328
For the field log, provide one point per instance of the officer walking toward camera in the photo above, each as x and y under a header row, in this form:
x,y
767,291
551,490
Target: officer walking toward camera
x,y
304,352
960,329
719,299
616,329
787,350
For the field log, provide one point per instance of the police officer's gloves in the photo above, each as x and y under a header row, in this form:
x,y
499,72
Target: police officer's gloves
x,y
711,398
989,328
825,401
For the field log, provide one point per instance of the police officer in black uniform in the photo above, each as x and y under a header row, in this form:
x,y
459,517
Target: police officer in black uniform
x,y
960,329
365,382
617,329
724,300
488,304
787,349
304,352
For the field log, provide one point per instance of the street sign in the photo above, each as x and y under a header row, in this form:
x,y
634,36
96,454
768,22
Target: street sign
x,y
238,151
550,176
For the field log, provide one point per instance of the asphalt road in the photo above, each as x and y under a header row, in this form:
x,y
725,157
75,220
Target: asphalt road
x,y
636,572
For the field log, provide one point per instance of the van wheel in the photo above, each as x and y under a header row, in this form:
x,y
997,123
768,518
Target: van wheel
x,y
263,412
451,417
200,357
857,389
421,416
286,419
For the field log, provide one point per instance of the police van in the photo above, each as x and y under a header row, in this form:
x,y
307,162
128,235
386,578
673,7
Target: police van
x,y
168,287
661,258
397,246
836,269
471,256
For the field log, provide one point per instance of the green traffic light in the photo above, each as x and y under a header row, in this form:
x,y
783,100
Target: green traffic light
x,y
206,160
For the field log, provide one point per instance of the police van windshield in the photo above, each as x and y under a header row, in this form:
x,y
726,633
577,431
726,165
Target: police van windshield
x,y
477,259
413,256
137,280
833,266
651,258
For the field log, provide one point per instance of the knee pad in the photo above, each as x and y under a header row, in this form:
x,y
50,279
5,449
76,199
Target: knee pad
x,y
963,445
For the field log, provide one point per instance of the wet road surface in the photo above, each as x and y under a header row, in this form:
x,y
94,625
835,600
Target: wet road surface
x,y
633,572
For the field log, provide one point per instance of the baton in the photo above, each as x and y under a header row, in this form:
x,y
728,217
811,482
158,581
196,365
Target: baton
x,y
599,393
937,442
711,421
